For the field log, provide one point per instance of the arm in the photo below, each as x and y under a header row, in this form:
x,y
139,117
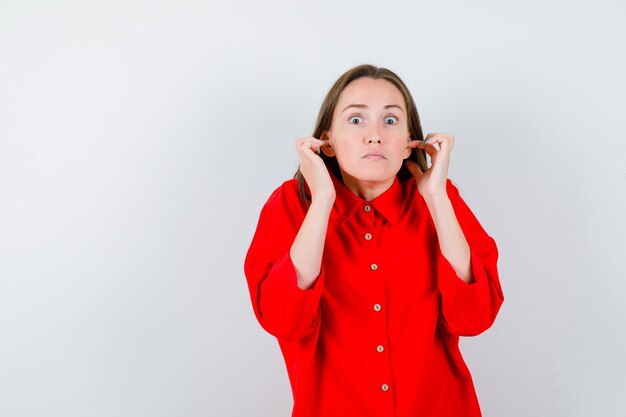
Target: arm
x,y
283,264
308,247
282,307
467,274
452,242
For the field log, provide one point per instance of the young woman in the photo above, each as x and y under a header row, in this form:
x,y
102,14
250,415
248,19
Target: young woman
x,y
368,265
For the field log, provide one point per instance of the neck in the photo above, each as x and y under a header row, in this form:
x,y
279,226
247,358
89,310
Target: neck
x,y
367,190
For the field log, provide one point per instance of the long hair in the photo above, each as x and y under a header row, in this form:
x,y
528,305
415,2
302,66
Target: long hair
x,y
325,118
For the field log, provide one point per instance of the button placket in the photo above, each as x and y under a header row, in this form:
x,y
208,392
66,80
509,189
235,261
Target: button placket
x,y
372,224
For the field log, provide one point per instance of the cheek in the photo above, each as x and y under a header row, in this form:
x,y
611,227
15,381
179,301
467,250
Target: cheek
x,y
343,147
342,153
400,147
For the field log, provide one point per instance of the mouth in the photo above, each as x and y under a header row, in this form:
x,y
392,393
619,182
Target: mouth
x,y
374,155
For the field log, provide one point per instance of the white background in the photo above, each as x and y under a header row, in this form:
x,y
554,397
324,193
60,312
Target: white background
x,y
139,140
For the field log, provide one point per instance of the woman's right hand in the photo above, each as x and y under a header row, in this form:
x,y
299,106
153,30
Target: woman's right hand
x,y
308,246
314,170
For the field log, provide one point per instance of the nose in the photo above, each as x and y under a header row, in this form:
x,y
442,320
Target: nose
x,y
374,136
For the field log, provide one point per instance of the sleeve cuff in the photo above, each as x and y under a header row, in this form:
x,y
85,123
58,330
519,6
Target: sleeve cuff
x,y
454,289
283,282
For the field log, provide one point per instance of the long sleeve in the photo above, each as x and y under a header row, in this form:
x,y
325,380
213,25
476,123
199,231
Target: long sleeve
x,y
282,308
378,333
470,309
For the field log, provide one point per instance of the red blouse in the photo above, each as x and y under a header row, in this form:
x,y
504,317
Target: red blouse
x,y
377,335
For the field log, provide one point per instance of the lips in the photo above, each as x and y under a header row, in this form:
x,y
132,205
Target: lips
x,y
374,155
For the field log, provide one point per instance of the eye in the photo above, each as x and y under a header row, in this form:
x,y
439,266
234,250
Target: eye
x,y
393,118
355,117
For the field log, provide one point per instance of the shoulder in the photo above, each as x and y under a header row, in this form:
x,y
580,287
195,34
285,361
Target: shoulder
x,y
284,202
413,201
452,188
282,214
410,189
286,193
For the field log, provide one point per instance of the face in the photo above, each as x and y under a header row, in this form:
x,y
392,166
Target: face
x,y
369,132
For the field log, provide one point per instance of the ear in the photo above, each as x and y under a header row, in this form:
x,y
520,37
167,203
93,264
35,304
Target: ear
x,y
407,151
328,149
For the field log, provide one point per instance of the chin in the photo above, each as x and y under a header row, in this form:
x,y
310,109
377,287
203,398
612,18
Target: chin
x,y
373,174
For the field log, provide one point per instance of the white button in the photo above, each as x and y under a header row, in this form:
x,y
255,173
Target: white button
x,y
374,267
380,348
384,387
367,208
368,236
377,307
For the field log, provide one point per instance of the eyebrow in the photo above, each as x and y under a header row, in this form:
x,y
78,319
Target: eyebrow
x,y
363,106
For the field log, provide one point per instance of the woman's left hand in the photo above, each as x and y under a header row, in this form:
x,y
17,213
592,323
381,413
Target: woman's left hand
x,y
433,181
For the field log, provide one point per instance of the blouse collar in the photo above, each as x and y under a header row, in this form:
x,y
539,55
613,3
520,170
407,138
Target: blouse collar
x,y
388,204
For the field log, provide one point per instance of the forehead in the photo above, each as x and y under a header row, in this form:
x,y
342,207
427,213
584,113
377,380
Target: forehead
x,y
372,92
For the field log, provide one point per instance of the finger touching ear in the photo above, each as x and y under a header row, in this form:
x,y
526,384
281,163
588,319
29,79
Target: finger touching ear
x,y
328,149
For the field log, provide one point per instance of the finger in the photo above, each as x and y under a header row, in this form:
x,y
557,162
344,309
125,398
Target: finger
x,y
425,144
310,139
431,140
429,137
431,150
440,135
420,144
325,144
431,146
440,138
444,142
311,144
